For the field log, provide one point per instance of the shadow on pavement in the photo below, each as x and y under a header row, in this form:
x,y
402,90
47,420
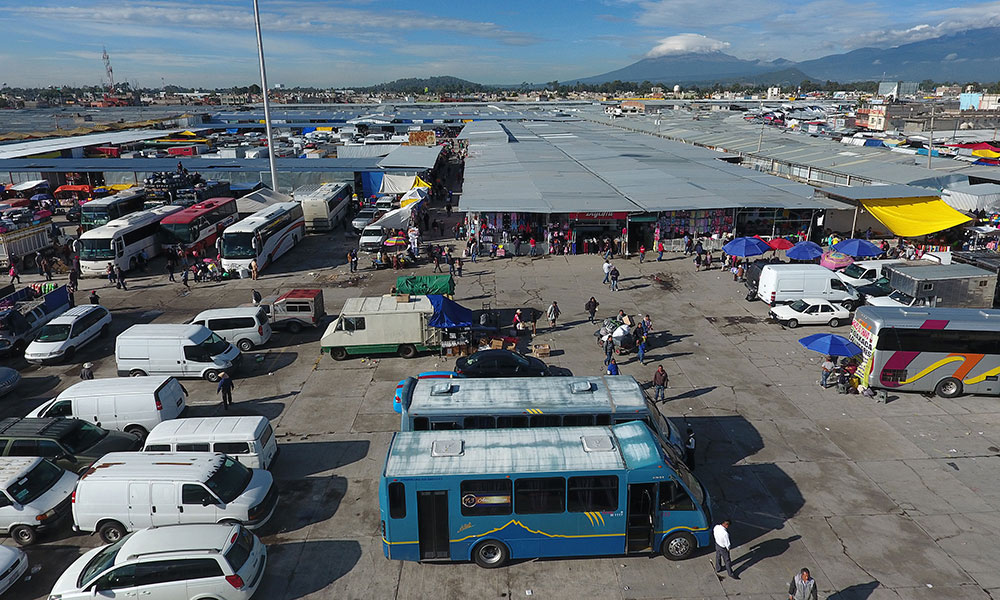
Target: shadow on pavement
x,y
858,591
766,549
298,569
316,499
297,460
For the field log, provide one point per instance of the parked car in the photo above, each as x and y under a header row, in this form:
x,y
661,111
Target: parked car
x,y
249,440
810,311
500,363
876,289
245,327
74,213
13,566
781,283
61,337
72,444
9,378
34,497
864,271
363,219
224,562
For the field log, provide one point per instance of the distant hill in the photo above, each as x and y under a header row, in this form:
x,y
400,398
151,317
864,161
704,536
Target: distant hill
x,y
440,84
686,68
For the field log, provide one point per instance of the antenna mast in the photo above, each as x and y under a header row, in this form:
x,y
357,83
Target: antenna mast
x,y
108,71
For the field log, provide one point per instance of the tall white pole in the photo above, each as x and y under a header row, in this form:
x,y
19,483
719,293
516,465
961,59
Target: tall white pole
x,y
267,105
930,140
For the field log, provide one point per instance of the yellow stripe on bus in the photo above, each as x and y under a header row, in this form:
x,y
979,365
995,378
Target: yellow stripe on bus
x,y
538,532
933,366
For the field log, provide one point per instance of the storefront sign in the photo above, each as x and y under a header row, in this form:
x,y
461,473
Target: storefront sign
x,y
597,216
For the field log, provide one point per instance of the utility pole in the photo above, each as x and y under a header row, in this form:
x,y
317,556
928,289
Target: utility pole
x,y
760,140
930,139
267,106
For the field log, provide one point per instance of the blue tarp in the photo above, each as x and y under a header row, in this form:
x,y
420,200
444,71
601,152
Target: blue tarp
x,y
371,182
233,130
874,143
448,314
306,130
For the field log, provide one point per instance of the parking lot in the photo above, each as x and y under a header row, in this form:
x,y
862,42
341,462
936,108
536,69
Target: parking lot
x,y
880,501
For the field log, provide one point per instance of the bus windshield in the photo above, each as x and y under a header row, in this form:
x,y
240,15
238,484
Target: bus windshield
x,y
96,249
238,245
177,233
97,215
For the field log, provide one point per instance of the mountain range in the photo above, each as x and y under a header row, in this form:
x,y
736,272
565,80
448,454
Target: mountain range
x,y
961,57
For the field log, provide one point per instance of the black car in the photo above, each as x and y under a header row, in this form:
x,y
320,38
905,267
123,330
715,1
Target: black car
x,y
876,289
72,444
500,363
73,214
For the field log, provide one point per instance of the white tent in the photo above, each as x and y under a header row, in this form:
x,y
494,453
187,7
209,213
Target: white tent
x,y
414,196
396,184
967,198
395,219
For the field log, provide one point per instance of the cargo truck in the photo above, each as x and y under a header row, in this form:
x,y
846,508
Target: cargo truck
x,y
24,241
926,283
23,313
383,324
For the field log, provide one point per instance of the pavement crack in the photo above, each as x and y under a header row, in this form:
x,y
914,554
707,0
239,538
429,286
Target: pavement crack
x,y
843,549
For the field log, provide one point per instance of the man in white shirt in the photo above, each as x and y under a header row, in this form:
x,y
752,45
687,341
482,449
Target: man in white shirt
x,y
607,271
721,534
826,369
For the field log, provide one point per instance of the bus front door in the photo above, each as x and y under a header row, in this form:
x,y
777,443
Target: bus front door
x,y
432,524
641,510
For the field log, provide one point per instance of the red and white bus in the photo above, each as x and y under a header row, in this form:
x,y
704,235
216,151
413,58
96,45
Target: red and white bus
x,y
197,227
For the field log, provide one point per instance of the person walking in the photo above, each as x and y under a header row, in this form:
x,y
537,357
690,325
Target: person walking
x,y
74,278
642,253
607,271
660,382
591,307
110,272
803,586
350,263
171,268
94,298
614,278
451,263
255,297
640,349
354,260
532,250
47,269
185,274
120,279
254,269
689,445
609,350
553,313
826,369
647,325
437,263
722,546
87,372
40,262
458,265
659,251
613,367
226,389
14,275
697,262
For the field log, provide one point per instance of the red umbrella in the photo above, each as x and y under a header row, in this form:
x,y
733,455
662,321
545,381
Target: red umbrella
x,y
780,244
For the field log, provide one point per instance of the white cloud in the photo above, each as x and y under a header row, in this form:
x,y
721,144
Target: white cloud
x,y
684,43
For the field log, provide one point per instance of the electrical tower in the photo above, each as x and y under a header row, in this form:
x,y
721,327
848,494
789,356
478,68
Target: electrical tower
x,y
108,71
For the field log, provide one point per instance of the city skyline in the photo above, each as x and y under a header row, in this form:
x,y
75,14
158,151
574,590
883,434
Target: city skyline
x,y
355,43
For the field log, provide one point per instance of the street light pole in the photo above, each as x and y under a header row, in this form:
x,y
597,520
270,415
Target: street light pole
x,y
930,139
267,105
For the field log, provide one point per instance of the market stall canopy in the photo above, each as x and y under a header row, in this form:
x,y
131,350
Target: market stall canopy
x,y
857,248
396,184
830,344
413,196
908,211
425,284
395,219
28,185
967,197
805,250
746,246
448,314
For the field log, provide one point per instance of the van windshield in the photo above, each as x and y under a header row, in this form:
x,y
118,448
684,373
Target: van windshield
x,y
214,345
101,562
53,333
82,438
38,481
229,481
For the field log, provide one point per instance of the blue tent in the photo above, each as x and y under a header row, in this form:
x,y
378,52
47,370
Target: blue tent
x,y
804,250
448,314
371,182
830,344
746,246
857,248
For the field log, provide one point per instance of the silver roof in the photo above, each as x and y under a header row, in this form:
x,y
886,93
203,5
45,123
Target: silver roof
x,y
881,192
952,271
411,157
559,395
915,317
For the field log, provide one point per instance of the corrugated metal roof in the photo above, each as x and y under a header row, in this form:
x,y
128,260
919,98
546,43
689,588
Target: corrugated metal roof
x,y
21,149
364,150
880,192
411,157
202,165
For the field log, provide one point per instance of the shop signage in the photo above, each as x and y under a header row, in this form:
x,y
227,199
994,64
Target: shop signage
x,y
595,216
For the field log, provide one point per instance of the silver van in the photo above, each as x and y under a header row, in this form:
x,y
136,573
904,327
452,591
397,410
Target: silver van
x,y
250,440
34,496
246,327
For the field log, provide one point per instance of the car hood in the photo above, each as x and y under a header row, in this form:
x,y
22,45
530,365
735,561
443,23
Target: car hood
x,y
56,494
115,441
44,348
260,484
784,311
883,301
67,581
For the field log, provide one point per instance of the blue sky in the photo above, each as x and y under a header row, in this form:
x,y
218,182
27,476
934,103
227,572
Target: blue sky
x,y
342,43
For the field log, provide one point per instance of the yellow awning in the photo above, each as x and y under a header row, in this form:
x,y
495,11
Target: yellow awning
x,y
912,217
420,183
188,133
985,153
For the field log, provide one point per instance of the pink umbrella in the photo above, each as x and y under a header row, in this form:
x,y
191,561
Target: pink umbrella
x,y
780,244
835,260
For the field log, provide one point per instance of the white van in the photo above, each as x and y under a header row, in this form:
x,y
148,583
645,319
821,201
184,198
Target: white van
x,y
782,283
126,491
134,406
249,440
177,350
34,496
246,327
863,272
61,337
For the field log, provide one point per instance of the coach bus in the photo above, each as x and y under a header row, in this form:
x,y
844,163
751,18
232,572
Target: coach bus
x,y
947,351
197,227
102,210
460,403
492,495
263,236
325,206
122,241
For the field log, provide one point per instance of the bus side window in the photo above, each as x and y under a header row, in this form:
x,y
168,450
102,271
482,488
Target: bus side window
x,y
482,497
578,420
624,420
539,495
545,421
673,497
480,422
602,420
443,425
397,500
421,424
512,422
586,494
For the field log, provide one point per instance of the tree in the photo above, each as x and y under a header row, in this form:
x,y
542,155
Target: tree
x,y
254,89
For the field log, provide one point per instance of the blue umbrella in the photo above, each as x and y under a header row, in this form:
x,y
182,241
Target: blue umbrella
x,y
746,246
40,197
830,344
804,251
856,247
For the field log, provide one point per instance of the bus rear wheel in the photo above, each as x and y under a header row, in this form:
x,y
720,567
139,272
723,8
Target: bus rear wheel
x,y
407,351
338,353
678,546
948,388
490,554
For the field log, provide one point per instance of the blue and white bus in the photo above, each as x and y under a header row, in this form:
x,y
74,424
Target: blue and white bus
x,y
491,495
485,403
263,236
104,210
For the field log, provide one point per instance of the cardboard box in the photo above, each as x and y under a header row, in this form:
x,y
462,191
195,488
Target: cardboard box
x,y
542,350
403,298
496,344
